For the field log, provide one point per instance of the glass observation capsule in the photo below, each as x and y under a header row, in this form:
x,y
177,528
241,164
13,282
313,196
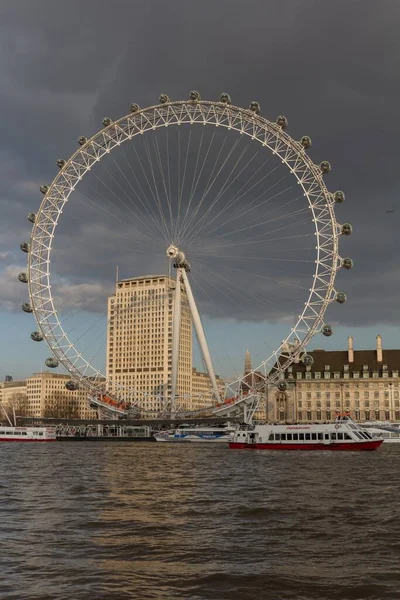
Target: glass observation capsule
x,y
307,360
36,336
347,229
71,386
25,247
134,108
82,140
306,141
51,362
327,330
341,297
106,121
339,197
282,121
325,166
31,217
26,307
282,386
23,277
255,107
60,163
44,189
194,95
225,98
347,263
163,99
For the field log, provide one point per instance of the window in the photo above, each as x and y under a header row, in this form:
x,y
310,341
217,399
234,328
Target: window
x,y
319,417
327,368
295,437
283,437
289,437
309,415
300,416
387,415
308,436
336,375
301,437
328,415
314,436
367,415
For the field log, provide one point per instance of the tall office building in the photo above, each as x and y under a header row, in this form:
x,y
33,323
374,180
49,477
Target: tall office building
x,y
139,341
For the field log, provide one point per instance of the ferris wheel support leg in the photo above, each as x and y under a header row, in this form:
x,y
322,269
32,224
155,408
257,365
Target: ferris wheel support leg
x,y
201,335
176,330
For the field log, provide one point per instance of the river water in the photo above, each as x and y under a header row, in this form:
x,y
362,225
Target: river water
x,y
83,520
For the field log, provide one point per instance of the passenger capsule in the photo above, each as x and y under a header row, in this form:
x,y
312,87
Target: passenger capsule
x,y
226,99
325,166
327,330
82,140
60,163
282,122
306,141
31,217
194,95
134,108
25,247
26,307
255,107
163,99
307,360
347,263
106,121
23,277
347,229
341,297
44,189
71,386
36,336
282,386
51,362
338,197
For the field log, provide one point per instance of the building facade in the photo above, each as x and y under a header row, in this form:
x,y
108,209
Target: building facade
x,y
202,394
364,383
139,341
47,396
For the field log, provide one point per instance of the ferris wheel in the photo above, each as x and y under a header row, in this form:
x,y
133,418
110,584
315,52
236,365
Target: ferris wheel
x,y
229,193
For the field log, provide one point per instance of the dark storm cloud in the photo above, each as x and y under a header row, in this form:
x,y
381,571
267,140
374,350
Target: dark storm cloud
x,y
330,67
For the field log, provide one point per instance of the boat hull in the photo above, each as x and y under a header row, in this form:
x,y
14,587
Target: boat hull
x,y
192,440
352,446
9,439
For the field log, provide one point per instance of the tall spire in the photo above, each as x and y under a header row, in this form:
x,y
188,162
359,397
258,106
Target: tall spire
x,y
247,362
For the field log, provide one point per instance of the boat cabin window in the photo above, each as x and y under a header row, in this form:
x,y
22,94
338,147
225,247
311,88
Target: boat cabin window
x,y
320,436
289,437
301,437
340,436
271,437
308,436
295,437
283,437
326,436
278,437
347,436
313,436
333,436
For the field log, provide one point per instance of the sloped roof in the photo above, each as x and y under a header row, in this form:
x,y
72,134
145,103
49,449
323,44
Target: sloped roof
x,y
336,359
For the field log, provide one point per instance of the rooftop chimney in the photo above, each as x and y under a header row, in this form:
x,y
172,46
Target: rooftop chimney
x,y
247,363
379,356
350,349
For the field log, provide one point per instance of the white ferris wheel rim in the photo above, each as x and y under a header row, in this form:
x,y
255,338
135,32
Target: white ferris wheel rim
x,y
218,114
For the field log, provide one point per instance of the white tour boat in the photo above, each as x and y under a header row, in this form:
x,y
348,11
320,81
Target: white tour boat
x,y
390,432
27,434
342,434
196,434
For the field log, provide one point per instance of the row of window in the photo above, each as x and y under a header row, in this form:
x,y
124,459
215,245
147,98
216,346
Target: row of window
x,y
301,437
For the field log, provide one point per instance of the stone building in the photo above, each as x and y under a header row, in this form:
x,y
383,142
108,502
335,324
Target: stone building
x,y
364,383
202,396
48,396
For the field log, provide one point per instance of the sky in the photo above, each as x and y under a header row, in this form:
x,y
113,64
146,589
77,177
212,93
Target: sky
x,y
330,67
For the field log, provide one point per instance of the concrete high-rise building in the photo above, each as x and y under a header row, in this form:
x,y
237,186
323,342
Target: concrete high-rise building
x,y
139,342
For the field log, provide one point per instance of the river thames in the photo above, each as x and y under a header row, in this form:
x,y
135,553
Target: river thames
x,y
163,521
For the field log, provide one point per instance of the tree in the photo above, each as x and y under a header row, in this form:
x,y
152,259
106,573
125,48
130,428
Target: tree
x,y
61,406
17,405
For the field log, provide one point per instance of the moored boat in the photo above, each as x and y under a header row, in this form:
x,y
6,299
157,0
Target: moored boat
x,y
196,434
342,434
27,434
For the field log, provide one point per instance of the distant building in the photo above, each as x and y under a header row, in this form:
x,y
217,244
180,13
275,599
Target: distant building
x,y
202,395
47,396
363,382
12,392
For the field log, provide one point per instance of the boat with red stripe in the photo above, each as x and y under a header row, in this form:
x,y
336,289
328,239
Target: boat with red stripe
x,y
341,434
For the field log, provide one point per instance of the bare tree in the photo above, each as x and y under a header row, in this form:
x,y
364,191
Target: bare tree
x,y
17,405
61,406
